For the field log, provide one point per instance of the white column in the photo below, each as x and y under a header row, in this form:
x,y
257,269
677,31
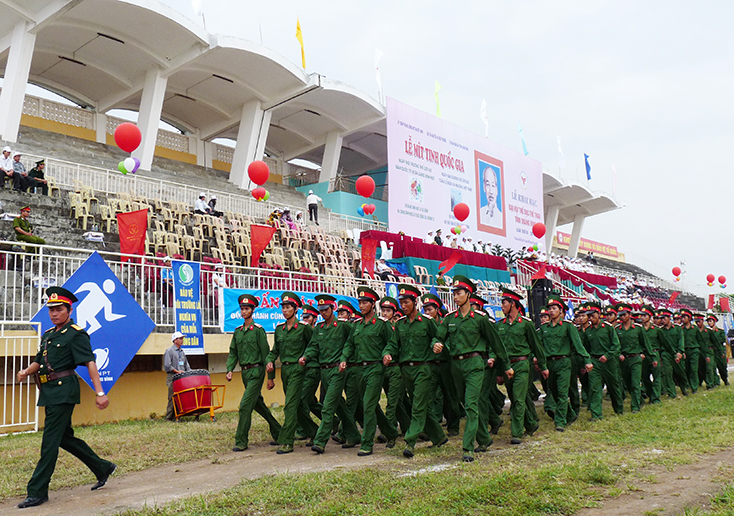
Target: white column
x,y
332,151
17,69
251,137
151,105
100,127
551,221
207,154
578,226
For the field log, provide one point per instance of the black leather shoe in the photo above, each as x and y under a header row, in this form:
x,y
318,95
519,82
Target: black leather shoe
x,y
446,440
238,449
364,453
515,440
32,501
496,428
101,481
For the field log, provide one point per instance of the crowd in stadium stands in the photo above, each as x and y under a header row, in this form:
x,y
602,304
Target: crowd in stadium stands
x,y
14,171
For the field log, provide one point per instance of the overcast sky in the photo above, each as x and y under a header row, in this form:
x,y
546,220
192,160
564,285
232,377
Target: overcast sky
x,y
642,86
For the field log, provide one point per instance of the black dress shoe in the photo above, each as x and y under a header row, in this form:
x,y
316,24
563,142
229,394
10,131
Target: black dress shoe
x,y
238,449
101,481
496,428
32,501
364,453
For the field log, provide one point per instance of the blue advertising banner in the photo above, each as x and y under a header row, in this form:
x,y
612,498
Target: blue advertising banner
x,y
268,314
116,324
187,305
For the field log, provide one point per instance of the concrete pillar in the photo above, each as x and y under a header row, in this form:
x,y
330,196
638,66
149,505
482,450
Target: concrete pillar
x,y
578,226
251,137
332,151
15,81
151,105
207,154
551,221
100,127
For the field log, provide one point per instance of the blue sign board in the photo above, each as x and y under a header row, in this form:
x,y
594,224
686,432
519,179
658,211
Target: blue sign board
x,y
187,305
268,314
116,324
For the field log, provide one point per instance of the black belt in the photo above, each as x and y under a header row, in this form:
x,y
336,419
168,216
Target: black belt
x,y
631,355
467,355
330,366
249,366
55,375
368,362
557,357
597,357
392,364
288,363
517,359
417,363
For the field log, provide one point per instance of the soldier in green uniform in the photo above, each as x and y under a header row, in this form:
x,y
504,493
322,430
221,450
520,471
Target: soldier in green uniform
x,y
706,362
610,315
249,349
602,343
346,312
561,342
673,372
635,345
412,346
325,348
37,174
694,344
365,347
719,337
290,342
24,230
392,383
469,337
650,374
62,349
312,376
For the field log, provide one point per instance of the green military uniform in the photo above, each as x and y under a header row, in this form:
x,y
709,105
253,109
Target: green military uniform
x,y
312,376
633,342
20,222
289,345
325,348
561,343
392,382
694,343
706,361
249,349
673,372
37,173
351,382
719,337
650,374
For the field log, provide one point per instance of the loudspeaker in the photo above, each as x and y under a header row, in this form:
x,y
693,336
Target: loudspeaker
x,y
539,293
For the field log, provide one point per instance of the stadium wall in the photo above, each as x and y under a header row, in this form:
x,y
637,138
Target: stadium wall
x,y
344,202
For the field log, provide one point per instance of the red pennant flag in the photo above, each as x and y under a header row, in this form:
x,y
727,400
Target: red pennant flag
x,y
724,302
673,298
540,273
448,264
259,239
132,227
369,252
711,302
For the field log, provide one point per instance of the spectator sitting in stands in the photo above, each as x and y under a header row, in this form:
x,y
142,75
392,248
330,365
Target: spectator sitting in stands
x,y
24,230
299,218
212,207
37,174
286,217
437,239
6,170
382,270
357,268
274,218
19,168
201,207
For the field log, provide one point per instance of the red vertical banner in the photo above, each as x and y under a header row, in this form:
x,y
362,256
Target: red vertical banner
x,y
724,302
448,264
369,252
673,298
710,304
259,239
132,227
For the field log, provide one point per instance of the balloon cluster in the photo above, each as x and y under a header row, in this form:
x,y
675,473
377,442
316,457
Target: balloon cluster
x,y
710,280
676,272
458,230
366,209
722,281
128,138
259,173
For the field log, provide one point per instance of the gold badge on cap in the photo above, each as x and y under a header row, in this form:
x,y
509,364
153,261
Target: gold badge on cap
x,y
54,296
402,291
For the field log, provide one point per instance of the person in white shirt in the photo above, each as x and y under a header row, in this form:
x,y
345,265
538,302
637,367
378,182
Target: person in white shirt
x,y
201,207
313,201
6,170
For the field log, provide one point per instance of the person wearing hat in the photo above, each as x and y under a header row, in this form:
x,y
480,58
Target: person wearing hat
x,y
325,348
364,347
651,375
719,338
290,341
395,410
694,343
312,377
562,343
24,230
312,201
174,362
635,345
706,361
610,315
213,207
412,347
602,343
62,349
345,310
673,370
19,170
437,239
249,349
6,170
38,175
469,338
347,313
201,207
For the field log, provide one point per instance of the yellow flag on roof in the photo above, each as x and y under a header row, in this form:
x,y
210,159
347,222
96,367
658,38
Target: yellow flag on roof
x,y
299,37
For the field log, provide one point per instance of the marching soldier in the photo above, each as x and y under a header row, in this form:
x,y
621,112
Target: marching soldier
x,y
719,336
672,353
650,374
393,384
610,314
347,313
706,363
312,377
694,344
63,348
635,346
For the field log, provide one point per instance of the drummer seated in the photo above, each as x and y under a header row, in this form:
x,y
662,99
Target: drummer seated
x,y
174,362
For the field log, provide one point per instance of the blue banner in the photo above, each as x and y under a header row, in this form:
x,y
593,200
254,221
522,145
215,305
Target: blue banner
x,y
187,305
116,324
268,314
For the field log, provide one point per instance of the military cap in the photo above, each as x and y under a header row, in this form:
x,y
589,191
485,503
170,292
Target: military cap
x,y
686,311
511,295
25,208
290,297
698,316
389,302
712,316
399,311
40,162
465,283
554,299
346,305
647,310
623,307
367,294
324,301
593,307
664,312
544,311
248,299
476,300
405,290
431,299
611,310
60,296
310,310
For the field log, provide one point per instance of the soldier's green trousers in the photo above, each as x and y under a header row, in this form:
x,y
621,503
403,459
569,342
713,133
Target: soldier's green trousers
x,y
601,374
559,381
394,387
523,413
311,381
707,370
488,416
332,382
296,414
450,407
692,357
420,384
251,400
651,377
370,390
722,364
58,433
468,378
632,375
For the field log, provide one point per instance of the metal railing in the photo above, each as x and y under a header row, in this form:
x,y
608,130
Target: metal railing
x,y
349,185
19,410
525,274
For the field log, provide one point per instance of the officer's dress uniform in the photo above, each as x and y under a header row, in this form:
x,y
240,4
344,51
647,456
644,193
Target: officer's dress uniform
x,y
60,353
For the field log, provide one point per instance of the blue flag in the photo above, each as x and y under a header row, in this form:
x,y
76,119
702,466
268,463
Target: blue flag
x,y
522,138
588,167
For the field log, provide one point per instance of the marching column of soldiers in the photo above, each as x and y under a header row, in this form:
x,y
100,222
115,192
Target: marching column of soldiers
x,y
437,367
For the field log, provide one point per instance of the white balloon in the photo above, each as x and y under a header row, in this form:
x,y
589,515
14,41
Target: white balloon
x,y
129,164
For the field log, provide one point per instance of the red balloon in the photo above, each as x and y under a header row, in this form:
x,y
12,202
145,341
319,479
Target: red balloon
x,y
128,136
722,279
461,211
365,186
676,271
259,193
539,230
258,172
710,278
372,208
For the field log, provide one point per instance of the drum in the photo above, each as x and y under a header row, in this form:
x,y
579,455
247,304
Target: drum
x,y
193,399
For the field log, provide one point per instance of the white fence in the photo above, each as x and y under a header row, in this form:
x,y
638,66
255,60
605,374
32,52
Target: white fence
x,y
19,411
